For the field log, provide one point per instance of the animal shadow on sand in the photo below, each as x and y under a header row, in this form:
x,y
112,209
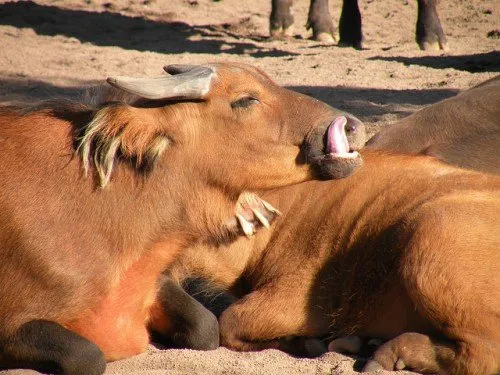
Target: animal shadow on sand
x,y
367,102
25,92
114,29
481,62
363,102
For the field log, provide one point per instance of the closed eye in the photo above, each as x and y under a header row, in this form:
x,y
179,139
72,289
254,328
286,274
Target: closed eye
x,y
244,102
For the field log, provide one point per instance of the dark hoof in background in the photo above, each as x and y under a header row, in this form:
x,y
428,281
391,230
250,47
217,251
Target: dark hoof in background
x,y
351,44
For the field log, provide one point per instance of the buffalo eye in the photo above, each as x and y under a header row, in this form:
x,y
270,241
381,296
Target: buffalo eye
x,y
244,102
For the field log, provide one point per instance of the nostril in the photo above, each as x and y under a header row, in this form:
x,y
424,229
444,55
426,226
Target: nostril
x,y
352,125
350,128
355,133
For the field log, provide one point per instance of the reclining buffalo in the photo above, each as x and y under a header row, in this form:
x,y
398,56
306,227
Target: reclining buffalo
x,y
429,33
96,201
405,250
463,130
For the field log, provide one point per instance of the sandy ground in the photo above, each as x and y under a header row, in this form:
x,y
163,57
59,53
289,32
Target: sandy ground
x,y
56,47
53,47
225,362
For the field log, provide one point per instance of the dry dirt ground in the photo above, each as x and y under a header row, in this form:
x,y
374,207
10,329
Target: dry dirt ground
x,y
56,47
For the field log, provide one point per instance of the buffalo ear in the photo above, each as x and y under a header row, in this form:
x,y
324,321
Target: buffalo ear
x,y
120,131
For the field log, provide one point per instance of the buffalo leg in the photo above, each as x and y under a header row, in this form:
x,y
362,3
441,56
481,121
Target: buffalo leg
x,y
214,299
430,35
281,20
350,25
48,347
266,318
180,318
320,20
454,285
411,351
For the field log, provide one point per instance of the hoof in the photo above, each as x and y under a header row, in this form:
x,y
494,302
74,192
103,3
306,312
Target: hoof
x,y
281,34
314,348
288,32
325,38
426,46
356,45
435,46
372,366
348,344
375,342
275,33
400,365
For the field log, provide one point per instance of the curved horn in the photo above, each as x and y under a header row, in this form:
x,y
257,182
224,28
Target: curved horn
x,y
192,84
178,68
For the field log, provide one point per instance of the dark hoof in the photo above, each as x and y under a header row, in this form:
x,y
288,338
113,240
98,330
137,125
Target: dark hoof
x,y
351,44
48,347
194,326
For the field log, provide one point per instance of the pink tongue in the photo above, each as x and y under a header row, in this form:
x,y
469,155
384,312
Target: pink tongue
x,y
336,139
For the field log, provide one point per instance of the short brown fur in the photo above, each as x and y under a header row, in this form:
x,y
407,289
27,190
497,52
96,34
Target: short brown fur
x,y
406,244
70,251
406,250
463,130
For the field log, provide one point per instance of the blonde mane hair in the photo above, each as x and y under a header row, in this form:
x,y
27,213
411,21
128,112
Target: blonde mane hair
x,y
120,131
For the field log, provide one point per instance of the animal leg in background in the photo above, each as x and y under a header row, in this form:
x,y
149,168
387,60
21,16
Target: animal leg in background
x,y
350,25
429,34
281,21
320,20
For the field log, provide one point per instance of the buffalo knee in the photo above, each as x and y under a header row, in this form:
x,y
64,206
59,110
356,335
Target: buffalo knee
x,y
201,333
48,347
192,325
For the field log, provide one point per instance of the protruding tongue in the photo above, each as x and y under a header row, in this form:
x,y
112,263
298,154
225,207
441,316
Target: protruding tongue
x,y
336,142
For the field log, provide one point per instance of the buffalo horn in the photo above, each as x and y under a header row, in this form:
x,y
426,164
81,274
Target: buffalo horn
x,y
178,69
193,83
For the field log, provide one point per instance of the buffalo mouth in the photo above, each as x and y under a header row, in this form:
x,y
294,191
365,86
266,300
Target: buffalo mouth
x,y
337,145
335,154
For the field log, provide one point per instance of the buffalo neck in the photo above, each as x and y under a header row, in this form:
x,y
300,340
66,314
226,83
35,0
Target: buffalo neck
x,y
323,220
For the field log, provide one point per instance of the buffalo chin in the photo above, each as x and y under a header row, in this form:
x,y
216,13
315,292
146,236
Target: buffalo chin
x,y
331,167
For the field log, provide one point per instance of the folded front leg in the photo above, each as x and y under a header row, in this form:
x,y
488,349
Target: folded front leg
x,y
266,319
180,318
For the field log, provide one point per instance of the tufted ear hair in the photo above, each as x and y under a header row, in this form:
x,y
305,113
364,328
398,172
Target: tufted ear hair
x,y
122,131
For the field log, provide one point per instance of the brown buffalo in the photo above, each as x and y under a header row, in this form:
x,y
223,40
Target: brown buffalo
x,y
96,202
429,33
463,130
405,250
